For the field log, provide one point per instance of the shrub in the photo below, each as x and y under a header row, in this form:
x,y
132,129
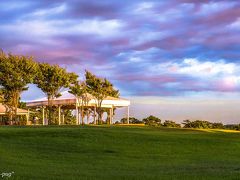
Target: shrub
x,y
202,124
169,123
132,120
152,121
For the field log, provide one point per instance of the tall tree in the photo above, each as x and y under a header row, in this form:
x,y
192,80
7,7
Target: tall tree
x,y
100,88
79,89
16,72
51,79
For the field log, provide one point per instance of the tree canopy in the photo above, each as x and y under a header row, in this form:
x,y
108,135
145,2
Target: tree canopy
x,y
152,120
51,79
16,72
79,89
99,88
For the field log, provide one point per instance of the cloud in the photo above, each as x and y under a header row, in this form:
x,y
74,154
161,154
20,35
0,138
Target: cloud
x,y
49,11
61,27
235,25
215,7
195,67
178,78
161,48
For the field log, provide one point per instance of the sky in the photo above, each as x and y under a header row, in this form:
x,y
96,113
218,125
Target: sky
x,y
175,59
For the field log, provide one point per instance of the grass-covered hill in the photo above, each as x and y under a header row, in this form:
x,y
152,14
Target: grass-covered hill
x,y
117,152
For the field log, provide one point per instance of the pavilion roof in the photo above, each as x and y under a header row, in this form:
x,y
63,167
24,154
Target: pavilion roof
x,y
69,99
3,110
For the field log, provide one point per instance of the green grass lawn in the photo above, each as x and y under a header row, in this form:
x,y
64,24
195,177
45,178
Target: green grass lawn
x,y
90,152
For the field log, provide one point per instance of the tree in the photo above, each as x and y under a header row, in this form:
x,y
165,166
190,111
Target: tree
x,y
68,117
132,120
232,126
187,124
169,123
100,89
51,79
197,124
79,89
152,120
217,126
16,72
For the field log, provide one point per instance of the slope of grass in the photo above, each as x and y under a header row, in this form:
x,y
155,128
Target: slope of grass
x,y
90,152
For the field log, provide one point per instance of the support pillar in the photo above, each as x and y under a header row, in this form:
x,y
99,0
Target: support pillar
x,y
43,116
59,115
94,115
80,116
128,115
111,115
28,117
76,114
63,119
87,116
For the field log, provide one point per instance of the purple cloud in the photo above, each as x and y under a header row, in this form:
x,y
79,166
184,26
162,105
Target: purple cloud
x,y
139,45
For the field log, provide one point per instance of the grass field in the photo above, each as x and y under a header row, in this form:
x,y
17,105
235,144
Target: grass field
x,y
91,152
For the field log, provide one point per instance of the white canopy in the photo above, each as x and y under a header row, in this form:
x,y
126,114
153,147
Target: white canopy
x,y
69,99
4,109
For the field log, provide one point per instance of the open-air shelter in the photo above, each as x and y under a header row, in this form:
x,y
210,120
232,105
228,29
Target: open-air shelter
x,y
20,112
69,101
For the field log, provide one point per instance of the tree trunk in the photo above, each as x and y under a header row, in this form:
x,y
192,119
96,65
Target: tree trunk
x,y
82,115
99,109
15,100
88,116
49,110
109,117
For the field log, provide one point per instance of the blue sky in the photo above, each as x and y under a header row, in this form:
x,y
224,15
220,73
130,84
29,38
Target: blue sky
x,y
158,53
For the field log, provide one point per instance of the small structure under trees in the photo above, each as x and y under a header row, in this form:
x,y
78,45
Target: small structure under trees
x,y
4,110
16,72
69,101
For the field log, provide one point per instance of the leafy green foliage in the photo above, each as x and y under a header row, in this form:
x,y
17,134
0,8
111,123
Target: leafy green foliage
x,y
169,123
232,126
68,117
79,89
100,89
132,120
202,124
197,124
16,72
152,121
217,126
51,79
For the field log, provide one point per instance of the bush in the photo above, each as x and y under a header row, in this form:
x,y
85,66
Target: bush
x,y
117,122
169,123
232,126
132,120
152,121
217,126
202,124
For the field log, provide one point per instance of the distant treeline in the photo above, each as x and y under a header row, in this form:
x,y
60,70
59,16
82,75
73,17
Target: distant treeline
x,y
199,124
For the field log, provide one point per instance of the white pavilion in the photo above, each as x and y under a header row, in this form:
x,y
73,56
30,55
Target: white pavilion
x,y
20,112
68,100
